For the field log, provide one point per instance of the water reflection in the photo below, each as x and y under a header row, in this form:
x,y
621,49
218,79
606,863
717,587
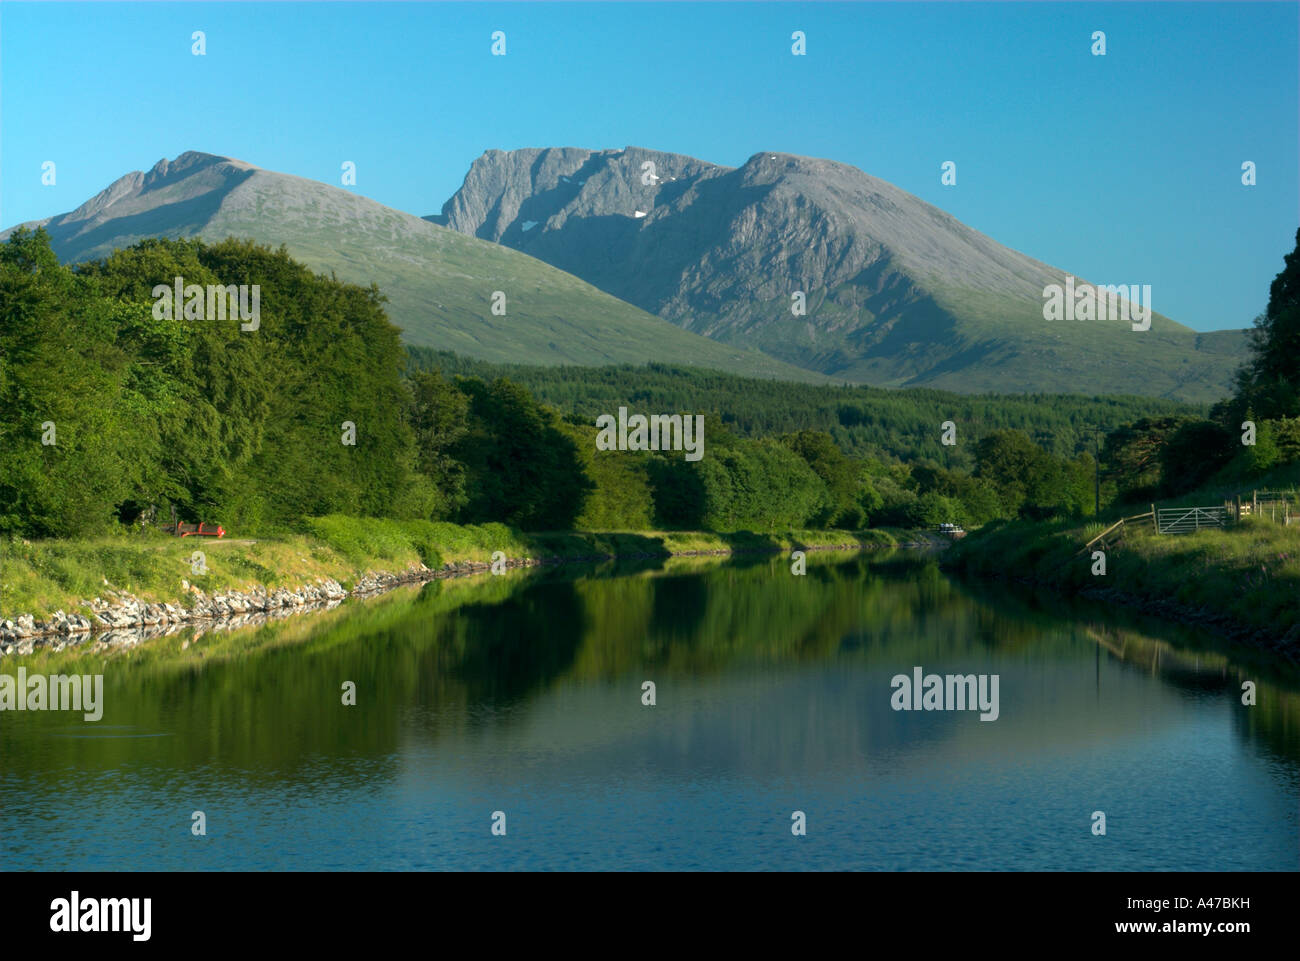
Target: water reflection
x,y
772,694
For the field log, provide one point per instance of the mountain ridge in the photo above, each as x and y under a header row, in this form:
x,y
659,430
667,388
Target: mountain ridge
x,y
899,292
636,255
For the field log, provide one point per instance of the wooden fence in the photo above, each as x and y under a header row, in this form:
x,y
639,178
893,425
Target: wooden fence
x,y
1165,520
1280,507
1116,530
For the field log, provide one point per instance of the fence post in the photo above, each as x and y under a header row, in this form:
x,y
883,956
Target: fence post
x,y
1238,518
1155,519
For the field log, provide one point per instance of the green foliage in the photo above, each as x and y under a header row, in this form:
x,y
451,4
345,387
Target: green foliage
x,y
1081,477
842,477
77,429
933,509
1270,381
521,469
1029,481
1286,434
621,497
851,438
246,428
759,485
438,416
1131,456
894,487
1192,454
1264,453
971,501
882,423
152,410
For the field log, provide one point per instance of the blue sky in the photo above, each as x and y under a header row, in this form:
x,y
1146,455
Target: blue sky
x,y
1123,169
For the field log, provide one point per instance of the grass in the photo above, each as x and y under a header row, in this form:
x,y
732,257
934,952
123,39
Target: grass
x,y
41,577
1248,574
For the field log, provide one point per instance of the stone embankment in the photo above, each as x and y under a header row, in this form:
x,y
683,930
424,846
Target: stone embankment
x,y
118,620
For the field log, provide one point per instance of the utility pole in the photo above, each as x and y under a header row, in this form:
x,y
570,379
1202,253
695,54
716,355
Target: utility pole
x,y
1097,432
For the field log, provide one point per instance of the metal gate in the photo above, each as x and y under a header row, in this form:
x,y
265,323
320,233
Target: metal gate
x,y
1184,520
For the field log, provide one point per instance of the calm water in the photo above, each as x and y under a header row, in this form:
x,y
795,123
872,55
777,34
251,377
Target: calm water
x,y
523,694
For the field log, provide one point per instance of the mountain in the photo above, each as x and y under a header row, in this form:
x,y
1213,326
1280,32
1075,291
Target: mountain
x,y
439,283
897,291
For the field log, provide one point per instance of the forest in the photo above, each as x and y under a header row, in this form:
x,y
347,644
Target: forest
x,y
112,416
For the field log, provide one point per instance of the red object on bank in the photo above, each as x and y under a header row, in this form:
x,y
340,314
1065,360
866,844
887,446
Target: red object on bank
x,y
200,530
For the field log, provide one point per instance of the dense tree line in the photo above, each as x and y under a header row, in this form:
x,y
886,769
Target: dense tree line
x,y
884,423
112,411
108,409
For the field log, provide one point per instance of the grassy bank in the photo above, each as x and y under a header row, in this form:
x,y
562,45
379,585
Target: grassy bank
x,y
1245,580
40,577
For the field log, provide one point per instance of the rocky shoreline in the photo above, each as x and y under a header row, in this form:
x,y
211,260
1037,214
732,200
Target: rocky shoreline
x,y
119,620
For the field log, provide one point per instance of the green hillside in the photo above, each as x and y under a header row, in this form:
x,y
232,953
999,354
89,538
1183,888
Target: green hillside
x,y
439,284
